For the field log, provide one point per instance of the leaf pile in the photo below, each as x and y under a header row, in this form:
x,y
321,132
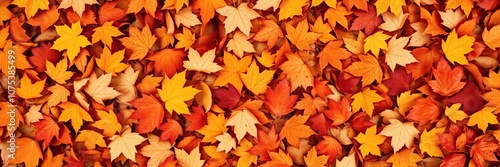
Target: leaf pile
x,y
251,83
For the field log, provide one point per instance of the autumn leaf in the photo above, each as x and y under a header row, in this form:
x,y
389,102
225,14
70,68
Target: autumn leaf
x,y
347,161
186,39
396,54
329,146
207,9
29,90
367,20
245,158
111,63
491,37
70,40
294,129
215,127
186,18
174,94
105,33
75,113
171,130
455,48
239,44
313,160
279,158
202,63
98,88
454,113
125,144
367,68
300,35
158,150
244,122
238,18
32,7
297,71
482,151
482,118
338,15
402,134
376,42
279,101
47,129
192,159
168,61
58,72
270,32
405,157
369,141
429,142
326,57
26,145
424,110
77,5
384,5
91,139
140,42
364,100
226,142
290,8
256,81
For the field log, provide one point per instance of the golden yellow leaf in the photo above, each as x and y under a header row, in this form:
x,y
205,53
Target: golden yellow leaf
x,y
266,59
405,157
32,6
395,5
255,81
105,33
70,40
215,127
186,39
369,141
111,63
75,113
482,118
125,144
290,8
375,42
246,159
59,94
27,90
232,70
429,142
406,101
364,100
454,113
58,73
135,6
368,68
455,48
108,122
337,15
466,5
91,138
174,94
313,160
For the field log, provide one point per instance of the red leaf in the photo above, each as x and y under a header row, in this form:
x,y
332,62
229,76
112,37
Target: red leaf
x,y
108,12
454,160
41,54
469,96
483,151
267,141
168,61
367,20
279,102
229,97
171,130
447,81
198,119
47,129
425,110
339,113
447,141
320,88
398,82
346,85
149,113
426,58
360,122
329,146
320,123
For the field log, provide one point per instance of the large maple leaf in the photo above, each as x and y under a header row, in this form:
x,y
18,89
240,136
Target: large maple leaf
x,y
125,144
402,134
364,100
75,113
70,40
332,54
149,112
367,20
238,18
368,68
174,94
300,35
244,122
294,129
297,71
447,80
279,101
425,110
455,48
369,141
139,42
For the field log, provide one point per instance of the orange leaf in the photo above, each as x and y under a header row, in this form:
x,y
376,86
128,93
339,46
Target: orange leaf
x,y
279,101
294,129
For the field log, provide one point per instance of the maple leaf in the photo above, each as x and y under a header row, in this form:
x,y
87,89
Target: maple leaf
x,y
337,15
198,119
266,4
91,139
105,33
49,160
175,4
149,113
313,160
270,32
45,18
229,97
393,22
470,97
426,58
108,122
396,54
395,5
186,39
418,38
135,6
455,48
297,71
186,18
125,84
279,159
429,142
363,5
482,118
326,57
77,5
300,35
192,159
405,157
27,90
239,44
255,81
266,141
168,61
425,110
290,8
111,63
32,7
454,113
455,159
346,161
158,150
243,121
217,158
108,12
238,18
47,129
491,80
202,63
451,18
58,72
323,29
125,144
25,146
483,151
246,158
70,40
75,113
310,105
401,133
294,129
232,70
491,37
226,141
215,127
40,55
447,81
329,146
207,9
171,130
174,94
376,42
98,88
434,26
398,82
364,100
279,101
369,141
465,5
367,68
367,20
139,42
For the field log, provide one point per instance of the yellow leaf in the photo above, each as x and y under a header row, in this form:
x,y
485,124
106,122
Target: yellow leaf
x,y
105,33
27,90
111,63
330,3
297,72
32,6
369,141
204,98
454,113
243,121
58,73
192,159
26,146
70,40
300,36
59,94
451,18
364,100
323,29
186,17
75,113
246,158
240,44
493,98
165,37
186,39
238,17
77,5
177,4
215,127
217,158
266,59
401,133
492,37
125,144
49,160
98,88
256,82
466,5
135,6
313,160
395,5
294,129
19,61
396,54
492,79
157,150
375,42
278,159
348,161
429,142
91,138
406,101
202,63
482,118
355,45
290,8
226,142
232,70
455,48
393,22
174,94
108,122
266,4
368,68
405,158
310,105
337,15
139,42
